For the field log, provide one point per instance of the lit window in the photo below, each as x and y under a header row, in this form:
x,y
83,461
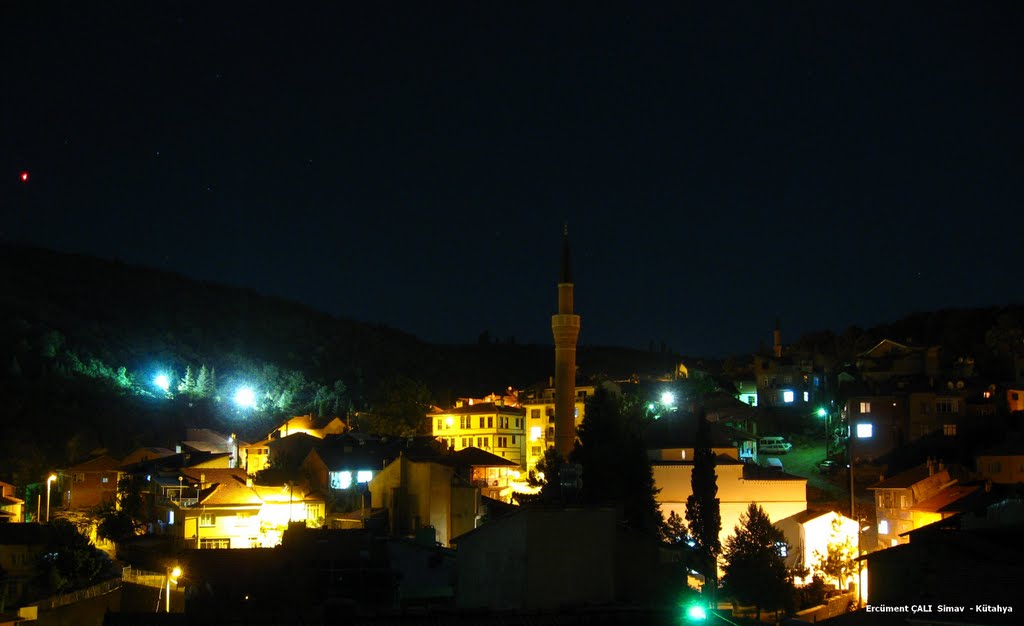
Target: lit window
x,y
807,396
783,548
949,430
341,480
104,480
883,527
206,519
864,430
364,476
170,518
865,407
534,433
787,396
576,412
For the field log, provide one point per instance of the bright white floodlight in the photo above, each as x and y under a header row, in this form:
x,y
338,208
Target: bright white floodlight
x,y
667,398
162,382
245,397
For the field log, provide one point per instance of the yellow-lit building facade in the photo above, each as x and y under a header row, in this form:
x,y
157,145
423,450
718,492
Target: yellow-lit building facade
x,y
494,427
540,420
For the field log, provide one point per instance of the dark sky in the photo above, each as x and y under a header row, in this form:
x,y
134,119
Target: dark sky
x,y
719,164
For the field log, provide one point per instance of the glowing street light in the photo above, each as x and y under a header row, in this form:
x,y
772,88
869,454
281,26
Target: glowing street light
x,y
822,412
49,481
163,382
245,397
172,575
668,398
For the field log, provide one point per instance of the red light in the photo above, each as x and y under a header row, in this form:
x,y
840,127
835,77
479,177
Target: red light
x,y
24,177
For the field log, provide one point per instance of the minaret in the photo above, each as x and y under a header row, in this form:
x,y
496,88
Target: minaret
x,y
566,328
777,340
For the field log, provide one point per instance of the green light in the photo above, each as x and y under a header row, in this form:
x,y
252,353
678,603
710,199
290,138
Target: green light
x,y
696,612
822,412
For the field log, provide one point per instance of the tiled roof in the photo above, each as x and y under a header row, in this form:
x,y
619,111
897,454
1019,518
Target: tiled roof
x,y
475,457
99,464
484,407
904,479
938,502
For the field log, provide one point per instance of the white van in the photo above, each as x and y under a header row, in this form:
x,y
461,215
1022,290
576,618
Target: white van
x,y
773,445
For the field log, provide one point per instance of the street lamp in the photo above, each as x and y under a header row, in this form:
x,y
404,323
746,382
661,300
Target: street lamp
x,y
49,481
172,574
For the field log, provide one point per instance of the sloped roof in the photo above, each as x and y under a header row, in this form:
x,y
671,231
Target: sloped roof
x,y
939,502
475,457
98,464
484,408
904,479
228,489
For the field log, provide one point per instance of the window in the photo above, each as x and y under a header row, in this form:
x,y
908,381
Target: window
x,y
807,396
535,451
465,422
502,442
949,430
535,414
864,430
79,477
787,396
104,480
467,442
364,476
340,480
1013,396
440,423
170,518
995,467
502,421
576,412
519,423
242,519
534,433
207,520
551,415
513,440
482,421
490,421
946,406
865,407
217,544
551,432
924,407
783,548
883,527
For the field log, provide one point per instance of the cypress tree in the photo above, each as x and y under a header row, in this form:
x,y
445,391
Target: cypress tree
x,y
703,513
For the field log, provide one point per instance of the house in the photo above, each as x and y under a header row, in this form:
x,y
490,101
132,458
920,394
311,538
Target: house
x,y
21,546
890,359
422,492
206,440
491,426
779,494
226,512
1003,463
539,404
492,474
256,457
877,423
147,453
971,560
11,508
809,535
896,498
90,483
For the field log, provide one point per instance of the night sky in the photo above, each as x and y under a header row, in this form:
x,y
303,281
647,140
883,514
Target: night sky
x,y
719,164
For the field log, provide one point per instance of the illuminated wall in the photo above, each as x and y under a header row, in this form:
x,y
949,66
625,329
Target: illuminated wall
x,y
497,429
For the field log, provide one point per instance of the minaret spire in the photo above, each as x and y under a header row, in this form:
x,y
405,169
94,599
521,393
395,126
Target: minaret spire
x,y
565,326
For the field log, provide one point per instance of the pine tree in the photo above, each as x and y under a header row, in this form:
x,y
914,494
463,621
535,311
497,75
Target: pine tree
x,y
755,565
187,384
703,513
202,387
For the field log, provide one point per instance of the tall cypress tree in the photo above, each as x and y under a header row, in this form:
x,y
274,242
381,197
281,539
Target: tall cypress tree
x,y
702,506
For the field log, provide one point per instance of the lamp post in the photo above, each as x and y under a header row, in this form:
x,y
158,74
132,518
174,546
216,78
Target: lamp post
x,y
49,481
172,574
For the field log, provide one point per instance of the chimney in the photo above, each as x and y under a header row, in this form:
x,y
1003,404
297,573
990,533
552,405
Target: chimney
x,y
248,482
931,466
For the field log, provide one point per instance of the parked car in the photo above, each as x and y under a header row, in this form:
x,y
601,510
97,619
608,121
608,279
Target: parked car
x,y
773,445
828,467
